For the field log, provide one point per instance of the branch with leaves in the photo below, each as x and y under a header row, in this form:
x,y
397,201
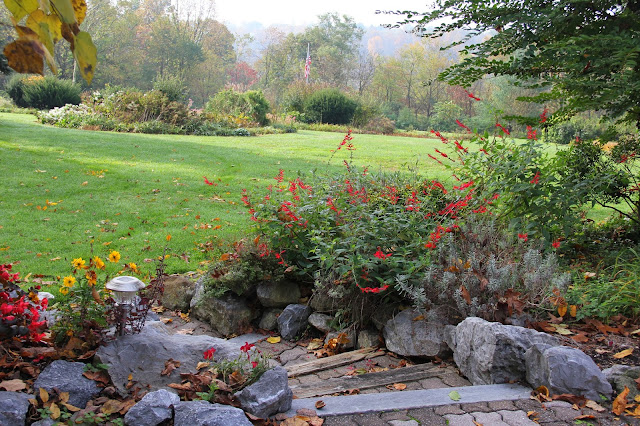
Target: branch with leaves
x,y
39,25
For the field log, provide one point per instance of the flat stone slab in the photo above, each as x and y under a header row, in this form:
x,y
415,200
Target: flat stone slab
x,y
404,400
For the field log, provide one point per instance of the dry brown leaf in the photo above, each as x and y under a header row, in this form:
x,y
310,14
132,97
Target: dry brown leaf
x,y
585,416
306,412
111,406
580,338
294,421
477,424
419,318
169,366
316,421
315,344
623,354
399,386
14,385
185,331
63,396
620,403
320,404
562,309
465,294
575,400
594,406
573,310
70,407
532,413
166,320
202,365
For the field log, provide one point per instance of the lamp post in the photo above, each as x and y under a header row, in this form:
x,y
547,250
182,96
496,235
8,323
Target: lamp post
x,y
124,290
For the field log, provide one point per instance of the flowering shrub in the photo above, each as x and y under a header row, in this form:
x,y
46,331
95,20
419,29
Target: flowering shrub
x,y
82,310
243,371
395,235
19,310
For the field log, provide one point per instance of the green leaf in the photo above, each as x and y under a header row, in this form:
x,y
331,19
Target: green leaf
x,y
454,395
64,10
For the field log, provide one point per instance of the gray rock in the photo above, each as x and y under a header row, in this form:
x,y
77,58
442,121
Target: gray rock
x,y
269,395
278,294
293,320
198,292
449,336
228,314
623,375
178,292
203,413
351,338
153,409
407,337
269,320
320,321
565,370
368,338
144,355
13,408
44,422
489,352
67,377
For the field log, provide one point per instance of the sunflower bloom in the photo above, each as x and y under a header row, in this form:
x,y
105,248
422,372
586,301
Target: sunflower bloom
x,y
64,290
114,256
98,262
78,263
69,281
133,267
91,277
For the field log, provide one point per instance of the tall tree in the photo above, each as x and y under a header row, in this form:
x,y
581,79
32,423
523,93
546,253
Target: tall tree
x,y
585,52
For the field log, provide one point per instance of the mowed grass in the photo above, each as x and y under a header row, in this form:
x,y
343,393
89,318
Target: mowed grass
x,y
129,192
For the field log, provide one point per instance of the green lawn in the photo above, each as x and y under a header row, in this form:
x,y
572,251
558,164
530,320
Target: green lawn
x,y
129,191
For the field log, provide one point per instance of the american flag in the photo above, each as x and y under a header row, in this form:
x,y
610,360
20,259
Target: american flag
x,y
307,65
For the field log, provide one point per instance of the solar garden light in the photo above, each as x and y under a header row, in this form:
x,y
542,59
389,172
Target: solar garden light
x,y
124,289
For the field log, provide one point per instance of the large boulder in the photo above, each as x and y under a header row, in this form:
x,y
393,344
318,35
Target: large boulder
x,y
153,409
621,376
203,413
269,395
278,294
565,370
13,408
67,377
144,355
269,320
406,335
489,352
293,320
228,314
178,292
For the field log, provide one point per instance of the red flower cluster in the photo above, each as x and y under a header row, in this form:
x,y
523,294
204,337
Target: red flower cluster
x,y
20,309
380,254
246,347
464,186
523,237
374,289
502,128
438,134
531,134
459,123
536,178
543,116
208,354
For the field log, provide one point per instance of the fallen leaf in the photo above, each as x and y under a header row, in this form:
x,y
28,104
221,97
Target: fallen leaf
x,y
315,344
477,424
70,407
419,318
316,421
620,403
454,395
202,365
294,421
274,339
588,275
637,398
570,398
169,366
320,404
532,413
635,331
306,412
14,385
399,386
594,406
44,395
166,320
562,309
185,331
55,411
111,406
585,416
64,396
562,329
465,294
623,354
573,310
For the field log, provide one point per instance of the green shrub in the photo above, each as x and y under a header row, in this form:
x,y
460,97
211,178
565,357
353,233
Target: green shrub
x,y
364,114
578,127
329,106
43,93
380,125
230,106
172,87
445,115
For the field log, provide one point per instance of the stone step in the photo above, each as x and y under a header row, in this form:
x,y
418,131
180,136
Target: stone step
x,y
404,400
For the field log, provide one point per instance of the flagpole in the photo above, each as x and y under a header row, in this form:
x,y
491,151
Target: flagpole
x,y
307,65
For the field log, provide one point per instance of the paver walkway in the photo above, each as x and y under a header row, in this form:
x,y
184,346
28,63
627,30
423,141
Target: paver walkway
x,y
422,402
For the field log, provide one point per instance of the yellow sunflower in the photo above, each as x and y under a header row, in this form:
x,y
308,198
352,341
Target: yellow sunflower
x,y
99,263
91,277
114,256
63,290
78,263
69,281
133,267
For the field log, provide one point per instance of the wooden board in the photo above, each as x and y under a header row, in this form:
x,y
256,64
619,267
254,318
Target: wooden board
x,y
367,381
332,361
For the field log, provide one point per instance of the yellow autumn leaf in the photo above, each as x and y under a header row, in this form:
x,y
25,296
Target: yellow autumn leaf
x,y
55,411
79,9
562,309
274,339
623,354
168,237
25,56
573,310
21,8
44,395
86,55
